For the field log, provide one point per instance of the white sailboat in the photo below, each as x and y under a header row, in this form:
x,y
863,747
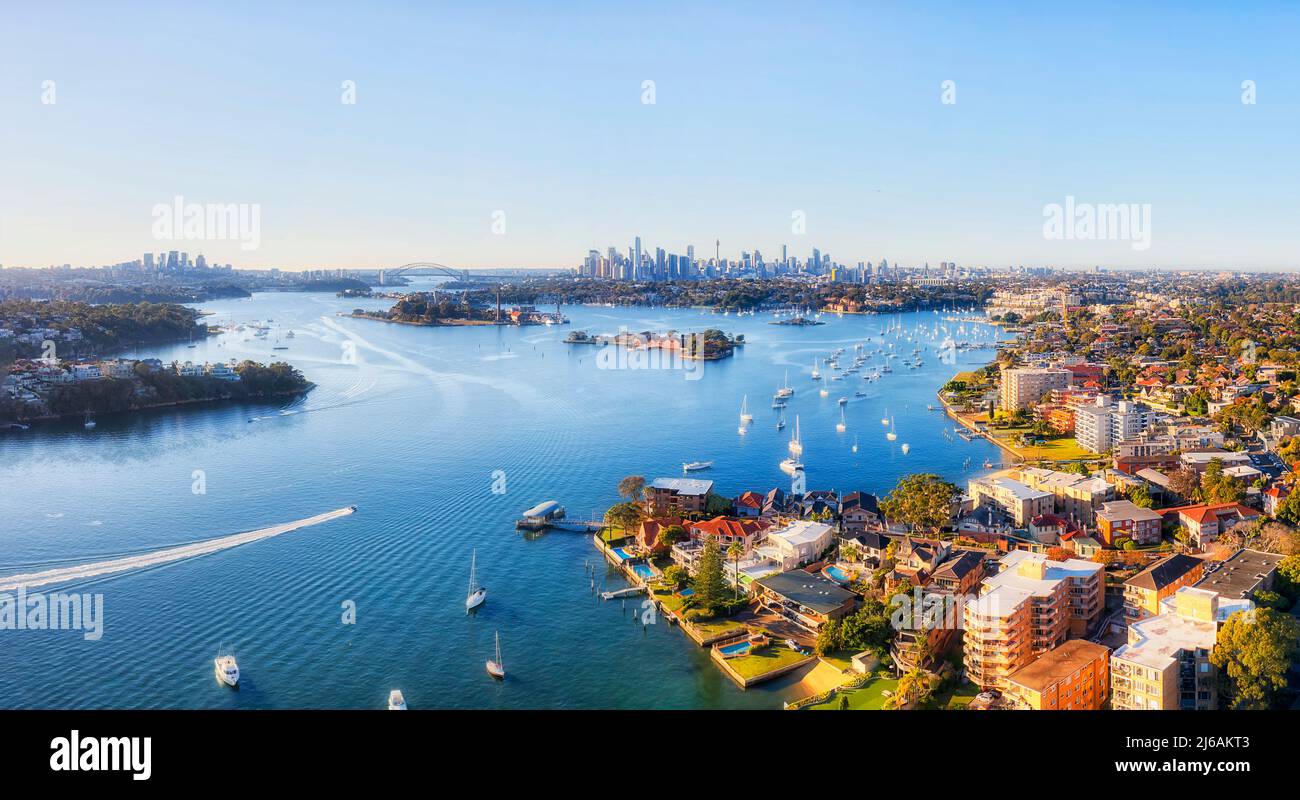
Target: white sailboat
x,y
796,446
495,666
841,426
855,444
906,447
891,436
745,416
815,374
791,465
785,391
477,594
885,419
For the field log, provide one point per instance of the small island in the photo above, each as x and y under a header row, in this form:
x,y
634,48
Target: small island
x,y
437,309
800,321
707,345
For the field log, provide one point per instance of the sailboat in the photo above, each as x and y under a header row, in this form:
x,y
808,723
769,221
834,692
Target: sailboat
x,y
815,374
796,446
785,390
495,667
906,448
885,420
780,423
891,436
841,426
855,444
89,424
745,416
477,594
791,465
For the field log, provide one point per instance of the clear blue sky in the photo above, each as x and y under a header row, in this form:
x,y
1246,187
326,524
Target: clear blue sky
x,y
535,110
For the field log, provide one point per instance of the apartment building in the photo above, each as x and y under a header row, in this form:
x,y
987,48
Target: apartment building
x,y
1032,606
1021,502
1025,386
676,497
1122,519
1075,497
1145,591
1072,677
1105,423
1166,663
1204,523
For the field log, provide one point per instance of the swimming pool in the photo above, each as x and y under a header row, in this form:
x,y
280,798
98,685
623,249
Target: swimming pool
x,y
836,574
643,571
735,649
622,554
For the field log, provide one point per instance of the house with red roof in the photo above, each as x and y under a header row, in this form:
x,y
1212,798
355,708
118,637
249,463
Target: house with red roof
x,y
1204,523
749,505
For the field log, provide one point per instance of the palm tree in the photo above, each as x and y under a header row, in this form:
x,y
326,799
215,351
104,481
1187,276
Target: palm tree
x,y
736,551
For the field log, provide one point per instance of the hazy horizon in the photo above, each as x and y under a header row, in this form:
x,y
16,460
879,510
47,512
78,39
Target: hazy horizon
x,y
509,136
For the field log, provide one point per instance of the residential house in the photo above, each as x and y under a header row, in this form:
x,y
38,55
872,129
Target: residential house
x,y
1204,523
677,497
808,600
1145,591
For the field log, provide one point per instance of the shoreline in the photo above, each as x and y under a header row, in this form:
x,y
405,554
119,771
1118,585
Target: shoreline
x,y
7,424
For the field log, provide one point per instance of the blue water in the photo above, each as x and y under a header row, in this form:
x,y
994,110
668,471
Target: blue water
x,y
837,574
417,427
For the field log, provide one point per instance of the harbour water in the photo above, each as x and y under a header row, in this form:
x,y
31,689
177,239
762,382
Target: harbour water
x,y
440,437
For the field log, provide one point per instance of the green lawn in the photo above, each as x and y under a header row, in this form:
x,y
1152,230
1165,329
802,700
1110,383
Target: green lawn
x,y
952,699
774,656
866,698
1062,449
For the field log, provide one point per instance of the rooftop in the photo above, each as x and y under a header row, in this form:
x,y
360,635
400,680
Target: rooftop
x,y
1058,664
821,594
1164,573
1121,510
1241,574
686,486
803,531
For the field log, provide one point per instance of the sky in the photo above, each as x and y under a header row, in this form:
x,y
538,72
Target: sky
x,y
518,135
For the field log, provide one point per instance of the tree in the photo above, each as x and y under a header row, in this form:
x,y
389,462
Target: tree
x,y
625,516
735,551
1217,487
1186,483
1288,577
921,501
1253,652
844,702
710,585
828,638
675,575
1140,496
632,487
1289,510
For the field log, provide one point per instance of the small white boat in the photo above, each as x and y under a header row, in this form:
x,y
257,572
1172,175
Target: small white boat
x,y
742,430
227,670
843,401
906,447
691,466
796,446
495,666
841,425
815,374
89,424
791,465
396,702
825,393
745,416
855,444
477,594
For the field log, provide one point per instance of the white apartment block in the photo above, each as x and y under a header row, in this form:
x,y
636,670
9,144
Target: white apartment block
x,y
1106,423
1025,386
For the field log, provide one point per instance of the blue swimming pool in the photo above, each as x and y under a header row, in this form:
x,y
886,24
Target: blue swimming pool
x,y
644,571
836,574
622,554
736,649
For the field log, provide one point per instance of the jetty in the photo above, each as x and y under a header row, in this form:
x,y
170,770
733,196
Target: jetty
x,y
156,558
630,591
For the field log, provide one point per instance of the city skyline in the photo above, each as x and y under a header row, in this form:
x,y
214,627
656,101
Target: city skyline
x,y
507,138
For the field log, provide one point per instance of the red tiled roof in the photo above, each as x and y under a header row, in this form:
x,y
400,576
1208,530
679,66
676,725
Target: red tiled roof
x,y
750,500
726,526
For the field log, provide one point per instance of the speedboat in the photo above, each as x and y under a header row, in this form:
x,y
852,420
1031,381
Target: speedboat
x,y
227,670
691,466
396,702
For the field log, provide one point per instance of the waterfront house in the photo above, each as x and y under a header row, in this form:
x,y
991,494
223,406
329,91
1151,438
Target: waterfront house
x,y
806,599
777,503
860,511
728,531
1145,591
798,542
650,534
749,505
668,497
86,372
221,372
865,545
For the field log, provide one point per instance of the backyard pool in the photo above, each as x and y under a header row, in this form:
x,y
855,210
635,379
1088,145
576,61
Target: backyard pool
x,y
620,553
734,649
643,571
836,574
